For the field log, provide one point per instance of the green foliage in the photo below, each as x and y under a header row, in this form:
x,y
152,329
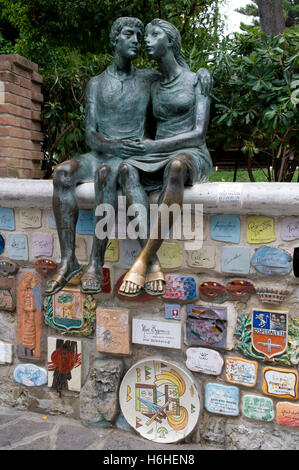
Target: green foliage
x,y
255,97
86,23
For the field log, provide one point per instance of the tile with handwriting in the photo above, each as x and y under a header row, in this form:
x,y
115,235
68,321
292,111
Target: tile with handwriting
x,y
170,255
7,219
30,218
17,246
112,250
260,229
42,244
225,228
203,258
235,259
289,228
130,249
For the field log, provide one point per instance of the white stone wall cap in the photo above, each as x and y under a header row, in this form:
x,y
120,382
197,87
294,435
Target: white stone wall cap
x,y
251,198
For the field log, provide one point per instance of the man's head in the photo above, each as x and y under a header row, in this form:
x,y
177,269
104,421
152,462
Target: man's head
x,y
125,36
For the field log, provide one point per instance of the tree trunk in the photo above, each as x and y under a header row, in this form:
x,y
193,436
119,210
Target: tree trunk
x,y
271,17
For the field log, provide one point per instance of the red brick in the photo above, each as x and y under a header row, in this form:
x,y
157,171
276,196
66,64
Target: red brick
x,y
20,60
17,100
20,101
15,143
8,162
3,172
36,116
36,77
16,68
37,97
10,120
26,174
21,153
10,77
37,136
16,110
11,131
17,90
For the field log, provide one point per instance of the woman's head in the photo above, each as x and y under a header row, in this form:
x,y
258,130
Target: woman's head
x,y
173,35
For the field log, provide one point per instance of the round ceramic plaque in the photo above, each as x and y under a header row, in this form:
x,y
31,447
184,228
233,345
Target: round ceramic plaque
x,y
159,399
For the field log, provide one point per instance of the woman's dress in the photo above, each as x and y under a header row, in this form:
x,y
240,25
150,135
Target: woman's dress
x,y
174,108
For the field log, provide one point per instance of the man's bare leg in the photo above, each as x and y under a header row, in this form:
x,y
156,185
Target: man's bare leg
x,y
66,210
105,193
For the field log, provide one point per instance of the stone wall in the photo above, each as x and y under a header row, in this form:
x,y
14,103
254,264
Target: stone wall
x,y
238,221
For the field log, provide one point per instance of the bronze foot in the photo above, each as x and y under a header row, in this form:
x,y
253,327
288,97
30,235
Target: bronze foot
x,y
91,284
59,281
155,283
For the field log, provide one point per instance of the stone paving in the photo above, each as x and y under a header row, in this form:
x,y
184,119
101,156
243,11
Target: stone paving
x,y
23,430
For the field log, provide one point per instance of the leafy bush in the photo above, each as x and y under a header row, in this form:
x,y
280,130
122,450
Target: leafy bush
x,y
255,99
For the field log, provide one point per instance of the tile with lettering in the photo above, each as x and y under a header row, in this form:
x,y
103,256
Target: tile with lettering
x,y
206,361
222,399
64,364
282,383
170,255
113,330
85,223
289,228
260,229
6,353
156,333
7,294
287,414
181,287
130,249
203,258
112,250
7,219
30,375
269,332
30,218
239,371
17,246
2,244
230,195
235,259
206,326
258,407
225,228
42,244
272,261
172,311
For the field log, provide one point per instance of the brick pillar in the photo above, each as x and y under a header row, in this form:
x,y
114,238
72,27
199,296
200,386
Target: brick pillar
x,y
20,118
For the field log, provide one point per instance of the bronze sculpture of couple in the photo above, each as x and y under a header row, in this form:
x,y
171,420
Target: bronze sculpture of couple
x,y
146,130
